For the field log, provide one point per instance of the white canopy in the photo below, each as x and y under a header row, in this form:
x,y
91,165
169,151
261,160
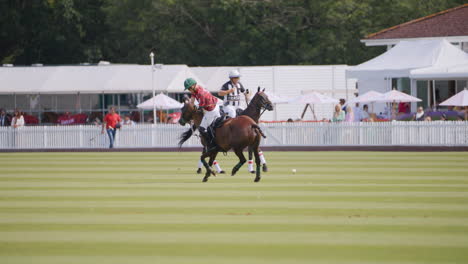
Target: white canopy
x,y
397,96
93,79
433,73
371,96
460,99
278,99
409,55
162,102
314,98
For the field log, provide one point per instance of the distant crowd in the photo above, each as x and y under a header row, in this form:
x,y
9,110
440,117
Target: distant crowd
x,y
401,111
19,118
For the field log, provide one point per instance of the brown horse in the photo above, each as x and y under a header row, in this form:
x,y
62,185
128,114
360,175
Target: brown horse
x,y
235,133
254,110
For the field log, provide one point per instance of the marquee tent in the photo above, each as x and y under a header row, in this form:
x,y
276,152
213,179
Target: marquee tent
x,y
410,55
93,79
460,99
213,77
438,73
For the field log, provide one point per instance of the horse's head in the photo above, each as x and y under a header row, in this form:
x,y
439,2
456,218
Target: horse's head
x,y
261,100
188,111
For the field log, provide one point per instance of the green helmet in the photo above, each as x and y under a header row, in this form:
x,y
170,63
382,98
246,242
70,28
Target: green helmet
x,y
189,82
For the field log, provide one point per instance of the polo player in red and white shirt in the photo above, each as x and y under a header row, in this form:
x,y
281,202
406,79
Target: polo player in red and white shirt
x,y
209,104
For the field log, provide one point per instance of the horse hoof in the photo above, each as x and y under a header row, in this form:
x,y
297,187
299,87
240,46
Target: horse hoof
x,y
199,171
265,168
252,172
205,179
222,172
257,179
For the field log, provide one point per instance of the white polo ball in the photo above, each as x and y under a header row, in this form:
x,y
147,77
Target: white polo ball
x,y
294,171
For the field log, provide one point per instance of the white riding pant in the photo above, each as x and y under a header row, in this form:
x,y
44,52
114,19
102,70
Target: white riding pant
x,y
209,117
230,110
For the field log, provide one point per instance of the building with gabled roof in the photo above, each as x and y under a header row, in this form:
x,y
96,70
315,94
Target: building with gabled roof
x,y
450,24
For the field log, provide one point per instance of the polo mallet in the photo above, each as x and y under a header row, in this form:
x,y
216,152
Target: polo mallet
x,y
93,138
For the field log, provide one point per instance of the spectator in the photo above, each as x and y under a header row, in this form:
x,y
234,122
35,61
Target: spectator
x,y
66,119
4,120
339,114
290,120
111,124
357,113
349,114
466,113
365,113
342,103
419,116
18,119
403,108
427,118
128,122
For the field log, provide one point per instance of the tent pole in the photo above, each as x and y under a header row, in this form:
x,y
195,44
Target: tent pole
x,y
433,95
414,92
79,101
118,102
102,102
152,86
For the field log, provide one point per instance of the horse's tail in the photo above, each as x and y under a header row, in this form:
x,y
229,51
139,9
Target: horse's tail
x,y
185,136
258,130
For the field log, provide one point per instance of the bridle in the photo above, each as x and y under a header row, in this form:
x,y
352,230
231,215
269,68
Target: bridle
x,y
260,106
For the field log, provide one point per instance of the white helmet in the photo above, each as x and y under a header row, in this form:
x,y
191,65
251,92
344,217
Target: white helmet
x,y
234,74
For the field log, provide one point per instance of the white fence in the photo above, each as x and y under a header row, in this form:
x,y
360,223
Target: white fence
x,y
445,133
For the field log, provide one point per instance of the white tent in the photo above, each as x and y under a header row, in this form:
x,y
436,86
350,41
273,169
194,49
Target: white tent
x,y
213,77
93,79
460,99
409,55
278,99
315,98
162,102
311,99
396,96
444,73
368,97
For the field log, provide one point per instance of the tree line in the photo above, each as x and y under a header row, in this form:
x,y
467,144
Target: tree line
x,y
200,32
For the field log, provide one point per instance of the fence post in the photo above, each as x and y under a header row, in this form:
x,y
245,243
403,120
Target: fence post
x,y
44,136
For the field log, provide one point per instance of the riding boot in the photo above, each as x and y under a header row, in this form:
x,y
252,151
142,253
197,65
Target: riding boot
x,y
209,141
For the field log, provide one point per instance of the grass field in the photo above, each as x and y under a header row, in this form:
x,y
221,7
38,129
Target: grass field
x,y
340,207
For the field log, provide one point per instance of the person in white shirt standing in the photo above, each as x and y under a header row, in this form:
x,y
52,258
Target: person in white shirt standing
x,y
357,113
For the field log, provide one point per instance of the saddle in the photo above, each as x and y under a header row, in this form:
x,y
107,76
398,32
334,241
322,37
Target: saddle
x,y
218,122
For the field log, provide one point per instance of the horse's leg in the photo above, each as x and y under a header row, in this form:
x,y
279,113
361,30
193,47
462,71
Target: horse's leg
x,y
209,171
242,160
262,160
212,159
200,163
217,166
250,162
257,160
